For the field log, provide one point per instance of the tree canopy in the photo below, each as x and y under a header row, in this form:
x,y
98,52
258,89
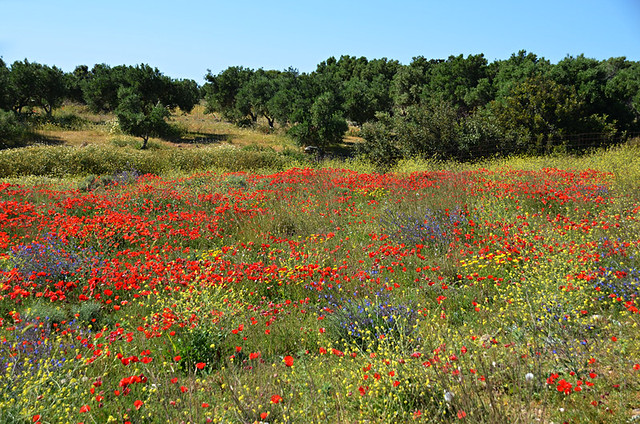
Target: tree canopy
x,y
520,104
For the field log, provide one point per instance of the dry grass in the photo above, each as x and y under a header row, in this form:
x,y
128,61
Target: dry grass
x,y
205,128
198,129
78,138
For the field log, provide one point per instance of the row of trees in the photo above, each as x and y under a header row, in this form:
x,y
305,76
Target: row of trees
x,y
28,85
140,96
460,107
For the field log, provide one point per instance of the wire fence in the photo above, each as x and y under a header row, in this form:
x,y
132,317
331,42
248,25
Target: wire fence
x,y
569,143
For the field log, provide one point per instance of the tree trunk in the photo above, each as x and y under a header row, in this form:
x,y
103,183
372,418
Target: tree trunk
x,y
144,142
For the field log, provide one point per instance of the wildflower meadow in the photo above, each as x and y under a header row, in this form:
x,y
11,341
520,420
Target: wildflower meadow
x,y
480,294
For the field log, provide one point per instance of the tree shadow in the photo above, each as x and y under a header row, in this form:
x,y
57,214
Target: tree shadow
x,y
31,139
48,140
203,138
346,149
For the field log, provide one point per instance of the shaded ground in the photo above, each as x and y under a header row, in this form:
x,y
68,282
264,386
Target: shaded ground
x,y
197,129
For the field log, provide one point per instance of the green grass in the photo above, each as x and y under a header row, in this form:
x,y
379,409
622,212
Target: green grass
x,y
294,229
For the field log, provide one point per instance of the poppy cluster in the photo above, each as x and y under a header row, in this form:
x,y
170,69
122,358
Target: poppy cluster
x,y
321,295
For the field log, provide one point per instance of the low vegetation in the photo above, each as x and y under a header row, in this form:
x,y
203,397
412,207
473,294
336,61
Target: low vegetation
x,y
222,275
436,292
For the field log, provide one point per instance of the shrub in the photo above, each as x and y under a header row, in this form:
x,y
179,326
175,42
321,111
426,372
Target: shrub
x,y
64,121
101,160
380,144
202,344
363,322
13,132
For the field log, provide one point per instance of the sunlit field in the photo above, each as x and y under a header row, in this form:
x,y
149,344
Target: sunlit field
x,y
499,292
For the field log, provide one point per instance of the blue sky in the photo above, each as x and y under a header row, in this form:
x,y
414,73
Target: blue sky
x,y
184,39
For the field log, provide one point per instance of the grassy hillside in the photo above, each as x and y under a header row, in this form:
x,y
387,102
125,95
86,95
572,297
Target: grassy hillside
x,y
195,129
503,291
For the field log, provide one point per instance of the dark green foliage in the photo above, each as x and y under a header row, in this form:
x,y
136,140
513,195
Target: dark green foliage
x,y
101,86
428,130
253,98
622,91
539,113
5,100
141,97
13,131
75,83
31,84
380,144
505,74
280,105
149,84
461,107
459,81
52,88
480,135
140,117
363,86
184,94
222,90
243,95
410,82
23,80
322,126
360,101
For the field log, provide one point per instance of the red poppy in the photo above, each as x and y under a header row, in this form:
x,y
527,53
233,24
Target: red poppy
x,y
276,399
288,361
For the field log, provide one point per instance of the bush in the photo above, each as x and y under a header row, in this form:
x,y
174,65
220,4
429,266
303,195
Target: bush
x,y
365,322
203,344
102,160
13,132
380,144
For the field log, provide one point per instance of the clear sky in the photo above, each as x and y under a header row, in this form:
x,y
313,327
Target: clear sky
x,y
185,38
